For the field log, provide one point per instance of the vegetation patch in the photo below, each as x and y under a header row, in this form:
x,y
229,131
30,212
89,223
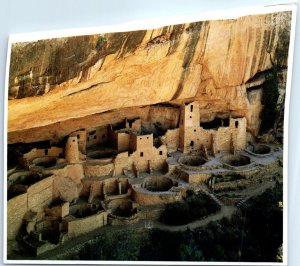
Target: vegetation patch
x,y
228,178
193,207
254,234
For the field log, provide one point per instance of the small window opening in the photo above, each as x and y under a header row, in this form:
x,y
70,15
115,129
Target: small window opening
x,y
78,136
236,124
192,143
190,116
142,154
195,130
130,124
92,132
192,108
160,153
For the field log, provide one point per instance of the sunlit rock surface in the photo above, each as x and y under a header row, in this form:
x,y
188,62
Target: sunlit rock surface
x,y
59,85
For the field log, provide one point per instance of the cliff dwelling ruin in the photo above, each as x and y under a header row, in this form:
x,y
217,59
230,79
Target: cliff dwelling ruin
x,y
123,124
108,175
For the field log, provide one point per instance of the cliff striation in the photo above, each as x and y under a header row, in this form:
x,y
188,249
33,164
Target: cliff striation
x,y
58,85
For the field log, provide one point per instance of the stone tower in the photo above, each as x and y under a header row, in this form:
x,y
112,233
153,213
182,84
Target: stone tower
x,y
189,127
71,150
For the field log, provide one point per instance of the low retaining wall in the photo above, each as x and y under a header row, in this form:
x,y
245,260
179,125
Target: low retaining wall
x,y
76,227
239,168
195,178
144,197
118,220
16,209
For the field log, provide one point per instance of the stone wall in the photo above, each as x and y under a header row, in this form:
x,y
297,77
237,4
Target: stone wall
x,y
88,183
143,197
146,157
35,153
151,212
81,226
122,141
96,136
16,209
93,187
117,220
71,150
190,115
195,178
110,186
142,143
91,170
121,163
40,194
171,139
60,211
159,158
81,136
238,127
223,139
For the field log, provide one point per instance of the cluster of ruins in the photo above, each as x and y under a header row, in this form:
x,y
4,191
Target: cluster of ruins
x,y
111,175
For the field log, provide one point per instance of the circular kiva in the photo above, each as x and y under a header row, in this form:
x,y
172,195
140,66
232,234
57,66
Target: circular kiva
x,y
84,210
45,162
157,183
121,207
192,160
235,160
260,149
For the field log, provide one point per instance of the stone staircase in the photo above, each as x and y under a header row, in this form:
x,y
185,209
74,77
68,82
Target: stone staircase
x,y
211,195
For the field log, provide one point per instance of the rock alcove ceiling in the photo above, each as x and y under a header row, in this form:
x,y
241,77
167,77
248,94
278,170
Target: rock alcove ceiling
x,y
57,86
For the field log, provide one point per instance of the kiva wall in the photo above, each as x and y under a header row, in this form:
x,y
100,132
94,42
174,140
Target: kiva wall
x,y
91,170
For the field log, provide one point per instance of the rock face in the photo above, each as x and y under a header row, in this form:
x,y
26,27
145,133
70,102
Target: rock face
x,y
78,79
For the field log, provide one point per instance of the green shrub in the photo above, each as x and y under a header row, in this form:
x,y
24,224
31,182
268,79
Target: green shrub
x,y
101,42
194,207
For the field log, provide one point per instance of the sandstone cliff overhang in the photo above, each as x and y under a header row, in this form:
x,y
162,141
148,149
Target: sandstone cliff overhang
x,y
211,61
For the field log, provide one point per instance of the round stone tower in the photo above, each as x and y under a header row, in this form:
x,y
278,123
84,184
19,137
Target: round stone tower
x,y
71,150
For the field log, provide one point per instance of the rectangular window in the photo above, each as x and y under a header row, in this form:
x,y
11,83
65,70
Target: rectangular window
x,y
160,153
142,154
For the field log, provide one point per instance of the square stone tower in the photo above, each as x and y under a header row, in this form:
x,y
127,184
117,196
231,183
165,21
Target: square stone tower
x,y
189,126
